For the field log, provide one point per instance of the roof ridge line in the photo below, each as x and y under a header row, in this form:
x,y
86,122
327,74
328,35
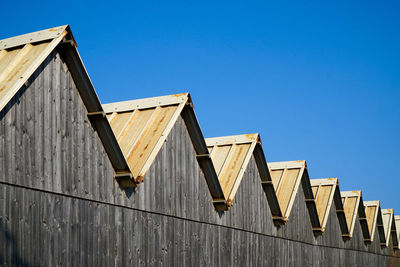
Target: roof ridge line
x,y
324,181
33,37
287,164
351,193
368,203
233,139
149,102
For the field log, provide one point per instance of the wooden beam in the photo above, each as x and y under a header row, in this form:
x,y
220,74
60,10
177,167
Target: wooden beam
x,y
287,164
33,37
234,139
351,193
89,97
146,103
203,156
324,181
96,114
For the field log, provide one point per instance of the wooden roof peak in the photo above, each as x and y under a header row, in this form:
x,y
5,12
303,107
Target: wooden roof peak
x,y
374,219
287,176
324,191
353,206
142,126
35,37
22,55
389,225
231,155
397,222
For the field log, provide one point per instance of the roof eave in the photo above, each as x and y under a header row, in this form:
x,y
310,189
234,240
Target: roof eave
x,y
310,201
203,157
96,113
267,185
340,214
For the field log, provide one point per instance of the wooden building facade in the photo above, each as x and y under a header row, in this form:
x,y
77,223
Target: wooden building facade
x,y
135,183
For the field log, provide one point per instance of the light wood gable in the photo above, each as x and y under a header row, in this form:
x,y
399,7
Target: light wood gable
x,y
141,128
21,56
390,227
374,219
353,206
326,192
397,223
287,176
231,155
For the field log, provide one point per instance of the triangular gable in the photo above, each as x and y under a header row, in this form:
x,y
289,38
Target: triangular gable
x,y
326,192
353,205
286,178
142,126
231,155
374,220
390,227
397,223
21,56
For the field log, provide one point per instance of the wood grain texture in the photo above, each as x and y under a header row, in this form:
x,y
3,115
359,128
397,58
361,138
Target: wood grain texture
x,y
59,203
286,188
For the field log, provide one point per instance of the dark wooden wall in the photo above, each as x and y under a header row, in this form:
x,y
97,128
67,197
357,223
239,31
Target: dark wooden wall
x,y
59,203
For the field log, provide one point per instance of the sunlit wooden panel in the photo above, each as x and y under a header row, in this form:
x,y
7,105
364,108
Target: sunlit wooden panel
x,y
286,188
134,127
118,122
322,201
232,167
349,210
276,176
219,156
370,214
147,141
15,70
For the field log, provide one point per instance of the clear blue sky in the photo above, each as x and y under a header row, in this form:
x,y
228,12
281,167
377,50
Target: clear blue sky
x,y
319,82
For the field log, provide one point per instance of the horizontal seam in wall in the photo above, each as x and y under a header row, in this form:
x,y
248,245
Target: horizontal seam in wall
x,y
190,220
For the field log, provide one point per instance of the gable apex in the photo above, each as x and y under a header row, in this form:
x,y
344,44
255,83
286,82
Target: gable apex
x,y
21,56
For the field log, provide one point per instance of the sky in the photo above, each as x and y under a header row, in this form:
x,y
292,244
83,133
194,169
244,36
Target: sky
x,y
318,81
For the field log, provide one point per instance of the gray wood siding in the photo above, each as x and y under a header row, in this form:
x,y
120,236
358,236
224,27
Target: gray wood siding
x,y
44,228
332,235
47,141
298,227
60,205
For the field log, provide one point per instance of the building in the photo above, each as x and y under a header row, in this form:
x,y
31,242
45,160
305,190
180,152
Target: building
x,y
136,182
